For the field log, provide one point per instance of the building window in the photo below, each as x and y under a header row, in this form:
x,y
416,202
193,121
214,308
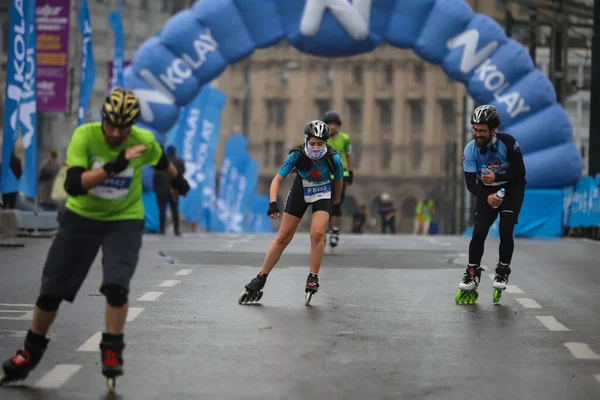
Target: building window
x,y
322,107
276,110
416,132
356,153
279,152
386,154
416,116
282,75
357,74
388,73
448,116
385,115
267,153
501,5
354,114
419,72
326,78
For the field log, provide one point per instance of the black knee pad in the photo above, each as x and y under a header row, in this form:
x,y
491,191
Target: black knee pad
x,y
48,303
116,296
337,209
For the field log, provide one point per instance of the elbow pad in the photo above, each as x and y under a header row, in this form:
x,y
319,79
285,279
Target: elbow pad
x,y
73,185
163,163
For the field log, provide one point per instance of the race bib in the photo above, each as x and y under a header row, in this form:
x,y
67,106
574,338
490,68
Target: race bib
x,y
314,191
115,187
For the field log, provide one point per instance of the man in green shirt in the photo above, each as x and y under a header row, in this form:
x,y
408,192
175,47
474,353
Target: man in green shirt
x,y
340,142
104,210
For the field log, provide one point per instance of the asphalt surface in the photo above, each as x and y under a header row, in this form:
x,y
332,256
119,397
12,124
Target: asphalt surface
x,y
384,324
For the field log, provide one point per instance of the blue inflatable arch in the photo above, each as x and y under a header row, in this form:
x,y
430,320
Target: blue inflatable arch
x,y
198,43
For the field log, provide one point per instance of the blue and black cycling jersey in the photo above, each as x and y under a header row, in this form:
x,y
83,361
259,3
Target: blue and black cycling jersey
x,y
503,156
318,172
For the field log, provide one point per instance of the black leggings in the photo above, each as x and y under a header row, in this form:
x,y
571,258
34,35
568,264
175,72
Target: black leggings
x,y
485,216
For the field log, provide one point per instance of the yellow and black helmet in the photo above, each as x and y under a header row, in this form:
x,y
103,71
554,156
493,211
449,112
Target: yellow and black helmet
x,y
121,107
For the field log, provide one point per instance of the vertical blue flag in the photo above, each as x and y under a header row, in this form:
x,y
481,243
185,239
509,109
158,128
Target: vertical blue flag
x,y
116,24
211,126
189,145
88,70
20,75
257,219
28,106
235,151
245,195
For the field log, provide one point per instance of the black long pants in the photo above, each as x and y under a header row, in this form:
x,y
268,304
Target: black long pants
x,y
162,212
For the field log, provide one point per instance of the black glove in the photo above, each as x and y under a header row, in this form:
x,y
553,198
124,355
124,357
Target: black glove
x,y
273,208
117,165
180,184
350,177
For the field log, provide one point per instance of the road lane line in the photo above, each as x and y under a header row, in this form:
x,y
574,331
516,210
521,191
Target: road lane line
x,y
552,324
57,376
150,296
581,351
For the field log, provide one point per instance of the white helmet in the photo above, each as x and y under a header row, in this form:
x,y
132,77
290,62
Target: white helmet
x,y
317,129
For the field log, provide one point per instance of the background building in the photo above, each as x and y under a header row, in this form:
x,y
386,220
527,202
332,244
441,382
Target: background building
x,y
405,117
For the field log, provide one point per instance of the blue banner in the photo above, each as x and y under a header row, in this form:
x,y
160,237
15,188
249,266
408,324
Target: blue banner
x,y
192,143
88,70
196,137
234,158
116,24
567,200
243,194
28,106
594,209
20,89
257,220
581,203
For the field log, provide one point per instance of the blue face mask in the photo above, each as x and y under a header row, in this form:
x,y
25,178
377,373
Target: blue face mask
x,y
314,154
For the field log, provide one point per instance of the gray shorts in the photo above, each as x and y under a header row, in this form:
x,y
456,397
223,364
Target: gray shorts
x,y
75,247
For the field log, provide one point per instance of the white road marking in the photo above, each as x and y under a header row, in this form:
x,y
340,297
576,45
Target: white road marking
x,y
184,272
169,283
16,305
597,376
552,324
513,289
445,244
150,296
92,344
57,376
492,276
529,303
27,315
9,333
133,313
581,351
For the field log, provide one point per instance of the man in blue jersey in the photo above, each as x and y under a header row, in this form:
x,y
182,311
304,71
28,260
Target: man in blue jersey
x,y
491,161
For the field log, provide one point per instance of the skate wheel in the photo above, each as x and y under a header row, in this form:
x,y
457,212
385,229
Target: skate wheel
x,y
497,295
246,297
242,297
466,297
111,383
308,297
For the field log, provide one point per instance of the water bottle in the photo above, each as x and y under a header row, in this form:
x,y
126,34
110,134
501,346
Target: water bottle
x,y
485,171
500,195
